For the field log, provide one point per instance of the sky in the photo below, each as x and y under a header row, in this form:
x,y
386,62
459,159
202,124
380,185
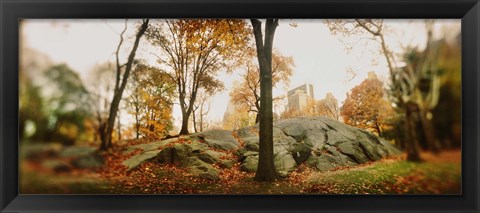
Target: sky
x,y
321,58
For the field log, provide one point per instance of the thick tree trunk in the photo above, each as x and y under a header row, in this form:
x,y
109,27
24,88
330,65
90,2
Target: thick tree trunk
x,y
266,169
117,97
429,133
184,130
411,137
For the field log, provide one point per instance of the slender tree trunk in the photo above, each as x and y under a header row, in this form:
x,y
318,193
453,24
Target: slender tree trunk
x,y
119,128
201,116
194,122
117,97
137,122
379,129
266,169
411,137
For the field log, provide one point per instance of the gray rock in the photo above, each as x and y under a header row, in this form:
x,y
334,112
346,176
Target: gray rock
x,y
326,162
247,154
201,169
227,164
77,151
240,152
251,143
174,154
298,132
389,148
315,139
372,150
38,151
282,173
210,156
250,164
284,162
301,152
221,139
151,146
57,166
246,133
353,150
334,138
88,162
136,160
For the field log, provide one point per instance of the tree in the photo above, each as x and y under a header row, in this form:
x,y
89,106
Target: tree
x,y
201,109
151,101
101,91
264,45
65,98
399,81
449,68
193,51
328,107
120,84
237,116
247,92
365,106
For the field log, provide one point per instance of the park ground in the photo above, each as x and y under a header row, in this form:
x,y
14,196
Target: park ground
x,y
436,174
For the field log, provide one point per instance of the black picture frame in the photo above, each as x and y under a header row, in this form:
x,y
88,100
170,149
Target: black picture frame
x,y
13,10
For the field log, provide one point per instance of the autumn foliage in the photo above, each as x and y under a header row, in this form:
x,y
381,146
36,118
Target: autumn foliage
x,y
366,106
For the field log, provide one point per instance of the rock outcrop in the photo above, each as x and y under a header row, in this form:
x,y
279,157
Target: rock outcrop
x,y
319,142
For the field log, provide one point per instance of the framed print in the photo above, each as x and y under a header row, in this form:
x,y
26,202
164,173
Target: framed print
x,y
239,106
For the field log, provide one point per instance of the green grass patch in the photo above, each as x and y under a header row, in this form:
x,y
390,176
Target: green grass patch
x,y
390,177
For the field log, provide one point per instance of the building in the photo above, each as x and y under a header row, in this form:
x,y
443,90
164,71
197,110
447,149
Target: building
x,y
299,97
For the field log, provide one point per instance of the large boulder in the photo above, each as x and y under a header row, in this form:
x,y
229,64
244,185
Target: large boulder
x,y
321,142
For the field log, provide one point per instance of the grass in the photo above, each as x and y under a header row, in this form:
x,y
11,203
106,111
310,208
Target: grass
x,y
433,176
437,174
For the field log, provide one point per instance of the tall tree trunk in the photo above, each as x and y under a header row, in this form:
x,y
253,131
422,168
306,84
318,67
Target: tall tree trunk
x,y
119,128
137,122
429,132
201,116
194,122
411,137
117,97
266,169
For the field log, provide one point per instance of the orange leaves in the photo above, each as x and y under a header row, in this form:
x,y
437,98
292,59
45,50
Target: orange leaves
x,y
366,106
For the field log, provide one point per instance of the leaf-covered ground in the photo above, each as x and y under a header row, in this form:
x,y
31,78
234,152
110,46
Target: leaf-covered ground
x,y
437,174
